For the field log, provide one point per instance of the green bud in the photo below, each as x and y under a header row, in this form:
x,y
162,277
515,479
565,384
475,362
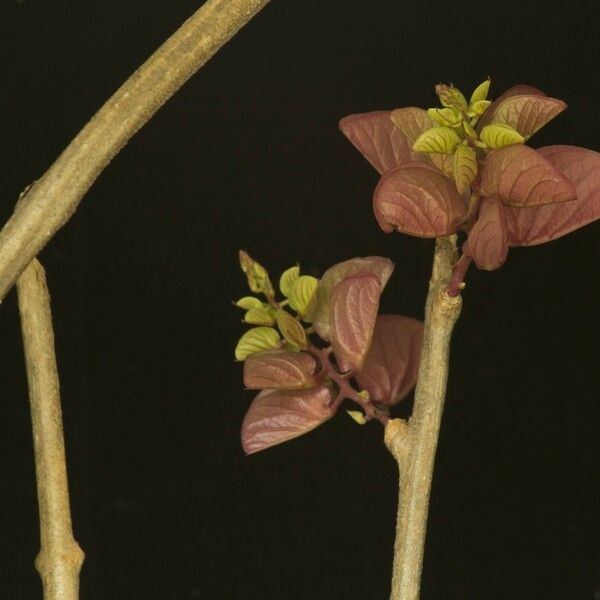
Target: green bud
x,y
258,278
451,97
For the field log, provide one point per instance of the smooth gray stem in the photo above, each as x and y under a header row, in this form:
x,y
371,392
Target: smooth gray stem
x,y
55,196
60,558
414,444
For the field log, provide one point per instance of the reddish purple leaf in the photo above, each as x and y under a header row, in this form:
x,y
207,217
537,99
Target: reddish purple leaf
x,y
417,199
487,243
276,416
539,224
516,90
381,267
378,139
521,176
354,304
391,366
527,113
279,369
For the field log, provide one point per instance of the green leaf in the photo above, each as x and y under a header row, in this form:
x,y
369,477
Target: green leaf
x,y
291,329
447,117
478,108
260,316
437,139
287,279
499,135
357,416
249,302
257,339
480,92
465,167
302,293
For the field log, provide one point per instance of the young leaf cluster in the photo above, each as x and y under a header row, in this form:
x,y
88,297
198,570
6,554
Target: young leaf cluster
x,y
309,345
465,168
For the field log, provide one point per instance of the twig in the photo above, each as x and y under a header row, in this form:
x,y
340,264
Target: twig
x,y
413,445
55,196
60,558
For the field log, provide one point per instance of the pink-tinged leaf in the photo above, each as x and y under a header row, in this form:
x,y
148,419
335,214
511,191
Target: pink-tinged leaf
x,y
379,266
539,224
378,139
487,243
279,369
521,176
390,368
516,90
527,113
412,122
354,304
418,200
276,416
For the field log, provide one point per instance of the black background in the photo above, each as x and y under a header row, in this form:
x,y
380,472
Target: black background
x,y
247,155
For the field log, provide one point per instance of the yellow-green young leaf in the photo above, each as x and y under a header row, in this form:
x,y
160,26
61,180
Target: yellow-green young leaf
x,y
478,108
257,339
450,97
291,329
437,139
357,416
302,293
480,92
260,316
249,302
465,167
258,278
447,117
287,279
469,131
499,135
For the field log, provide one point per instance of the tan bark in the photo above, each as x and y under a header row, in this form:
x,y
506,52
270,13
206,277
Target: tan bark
x,y
413,444
60,558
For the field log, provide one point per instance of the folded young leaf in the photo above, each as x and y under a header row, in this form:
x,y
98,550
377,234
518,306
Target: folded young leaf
x,y
276,416
377,139
464,167
279,369
527,113
539,224
418,200
390,368
381,267
516,90
256,339
487,243
522,176
354,304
